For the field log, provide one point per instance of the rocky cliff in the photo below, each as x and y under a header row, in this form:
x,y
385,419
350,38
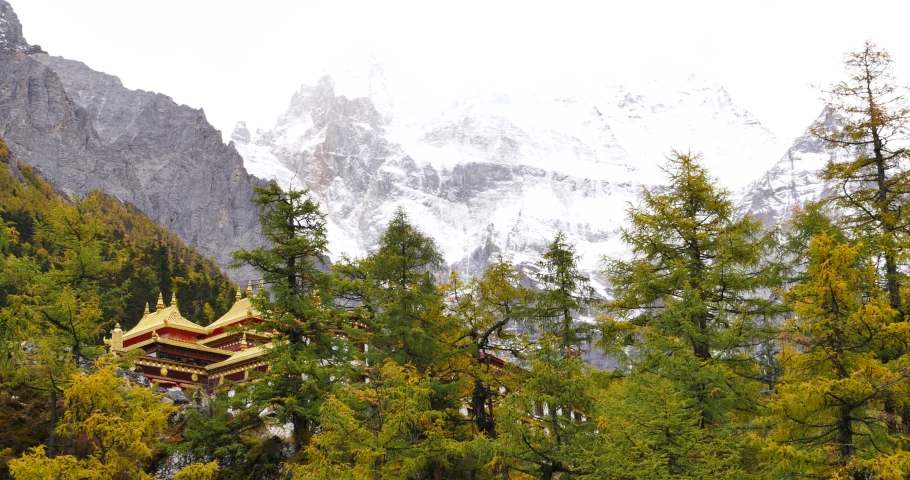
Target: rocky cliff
x,y
84,130
494,172
793,180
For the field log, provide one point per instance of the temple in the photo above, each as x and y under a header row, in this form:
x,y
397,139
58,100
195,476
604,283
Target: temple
x,y
179,353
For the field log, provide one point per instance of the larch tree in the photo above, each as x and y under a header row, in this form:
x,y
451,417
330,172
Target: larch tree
x,y
870,121
692,304
829,414
394,293
307,358
120,422
564,293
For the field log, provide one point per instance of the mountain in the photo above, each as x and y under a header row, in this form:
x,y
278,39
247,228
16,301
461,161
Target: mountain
x,y
494,172
793,180
83,130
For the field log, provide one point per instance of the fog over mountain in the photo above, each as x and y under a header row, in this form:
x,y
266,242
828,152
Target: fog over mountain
x,y
484,172
495,172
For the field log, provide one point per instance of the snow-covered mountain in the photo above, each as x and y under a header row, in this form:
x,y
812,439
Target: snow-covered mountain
x,y
490,172
793,180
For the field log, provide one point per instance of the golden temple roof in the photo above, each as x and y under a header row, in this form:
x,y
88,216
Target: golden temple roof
x,y
163,317
242,309
241,356
180,343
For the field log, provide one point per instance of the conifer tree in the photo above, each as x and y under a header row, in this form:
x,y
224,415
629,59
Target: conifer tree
x,y
545,424
830,408
690,305
395,291
488,312
870,117
545,427
307,358
564,292
118,421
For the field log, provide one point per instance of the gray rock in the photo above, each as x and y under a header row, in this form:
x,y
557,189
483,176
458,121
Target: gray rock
x,y
176,395
83,130
793,181
11,38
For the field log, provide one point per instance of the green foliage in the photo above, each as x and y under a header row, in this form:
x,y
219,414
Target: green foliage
x,y
386,428
395,290
486,310
311,352
691,304
67,271
649,428
564,291
545,428
831,400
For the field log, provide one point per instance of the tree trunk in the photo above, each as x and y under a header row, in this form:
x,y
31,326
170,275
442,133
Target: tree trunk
x,y
52,439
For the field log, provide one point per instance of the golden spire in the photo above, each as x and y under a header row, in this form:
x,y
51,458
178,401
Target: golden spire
x,y
237,297
174,299
146,310
160,304
261,288
117,338
243,342
249,289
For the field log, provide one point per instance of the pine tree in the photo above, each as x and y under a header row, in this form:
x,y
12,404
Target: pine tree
x,y
691,304
870,124
830,408
564,292
307,358
395,291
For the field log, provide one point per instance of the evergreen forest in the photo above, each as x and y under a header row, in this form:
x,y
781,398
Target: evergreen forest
x,y
741,350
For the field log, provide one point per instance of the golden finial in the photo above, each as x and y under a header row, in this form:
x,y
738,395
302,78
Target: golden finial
x,y
237,297
249,289
174,299
261,288
146,310
243,342
160,304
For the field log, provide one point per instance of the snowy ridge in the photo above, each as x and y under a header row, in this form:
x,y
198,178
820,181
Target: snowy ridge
x,y
495,172
792,181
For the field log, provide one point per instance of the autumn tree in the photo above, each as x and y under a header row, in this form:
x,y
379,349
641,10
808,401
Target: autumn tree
x,y
394,291
830,408
383,429
869,124
118,421
308,356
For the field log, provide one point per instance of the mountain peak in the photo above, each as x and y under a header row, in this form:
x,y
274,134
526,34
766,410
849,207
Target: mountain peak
x,y
11,38
241,133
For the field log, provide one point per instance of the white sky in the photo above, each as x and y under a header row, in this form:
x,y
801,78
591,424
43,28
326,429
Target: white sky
x,y
243,60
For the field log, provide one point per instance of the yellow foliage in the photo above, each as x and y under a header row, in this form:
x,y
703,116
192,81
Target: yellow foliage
x,y
121,421
198,471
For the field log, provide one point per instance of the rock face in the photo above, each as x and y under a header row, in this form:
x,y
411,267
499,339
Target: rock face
x,y
793,180
493,173
83,130
11,38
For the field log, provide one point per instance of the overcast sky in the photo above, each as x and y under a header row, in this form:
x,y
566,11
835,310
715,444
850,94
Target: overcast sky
x,y
243,60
